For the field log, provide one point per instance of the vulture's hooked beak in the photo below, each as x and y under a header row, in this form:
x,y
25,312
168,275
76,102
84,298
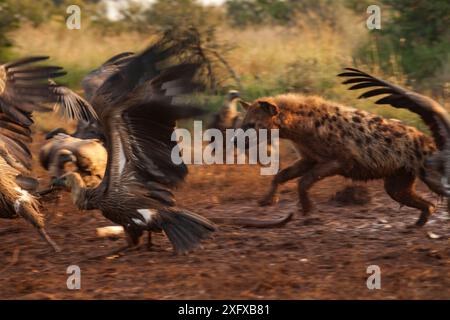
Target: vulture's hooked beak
x,y
55,185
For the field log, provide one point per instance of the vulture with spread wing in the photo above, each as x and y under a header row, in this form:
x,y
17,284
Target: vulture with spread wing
x,y
26,87
431,112
138,99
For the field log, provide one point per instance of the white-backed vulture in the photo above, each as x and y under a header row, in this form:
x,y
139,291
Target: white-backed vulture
x,y
26,87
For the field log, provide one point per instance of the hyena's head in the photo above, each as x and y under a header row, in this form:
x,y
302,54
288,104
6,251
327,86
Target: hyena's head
x,y
260,114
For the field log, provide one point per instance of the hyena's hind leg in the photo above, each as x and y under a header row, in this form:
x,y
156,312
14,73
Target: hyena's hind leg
x,y
401,188
299,168
317,173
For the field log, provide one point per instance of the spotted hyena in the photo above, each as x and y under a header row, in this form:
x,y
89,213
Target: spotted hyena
x,y
336,140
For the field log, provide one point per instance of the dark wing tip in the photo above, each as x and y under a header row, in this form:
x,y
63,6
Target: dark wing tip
x,y
25,61
118,57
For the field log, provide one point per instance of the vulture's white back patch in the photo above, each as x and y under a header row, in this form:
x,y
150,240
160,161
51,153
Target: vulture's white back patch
x,y
147,214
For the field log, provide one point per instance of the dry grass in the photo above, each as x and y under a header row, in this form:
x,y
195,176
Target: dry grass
x,y
270,60
81,49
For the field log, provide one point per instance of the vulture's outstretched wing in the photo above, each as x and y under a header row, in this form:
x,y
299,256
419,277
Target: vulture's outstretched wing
x,y
71,105
159,63
138,107
25,87
14,139
95,78
432,113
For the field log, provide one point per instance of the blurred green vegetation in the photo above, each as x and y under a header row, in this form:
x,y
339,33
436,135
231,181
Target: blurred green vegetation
x,y
283,12
8,22
261,47
415,37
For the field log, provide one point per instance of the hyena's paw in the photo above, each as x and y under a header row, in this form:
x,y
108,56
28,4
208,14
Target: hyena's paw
x,y
421,221
424,216
268,201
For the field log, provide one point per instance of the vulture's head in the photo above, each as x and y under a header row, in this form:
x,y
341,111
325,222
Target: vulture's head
x,y
232,95
74,183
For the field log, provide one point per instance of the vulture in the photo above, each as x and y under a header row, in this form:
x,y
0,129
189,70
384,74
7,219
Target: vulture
x,y
26,87
228,117
64,153
432,113
138,98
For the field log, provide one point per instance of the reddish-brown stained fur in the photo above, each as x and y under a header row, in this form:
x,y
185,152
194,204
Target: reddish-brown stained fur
x,y
336,140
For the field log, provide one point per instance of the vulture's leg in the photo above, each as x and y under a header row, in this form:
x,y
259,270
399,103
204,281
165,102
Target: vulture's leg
x,y
49,240
149,240
133,237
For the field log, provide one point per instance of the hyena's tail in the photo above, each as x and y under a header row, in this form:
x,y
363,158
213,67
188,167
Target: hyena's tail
x,y
254,223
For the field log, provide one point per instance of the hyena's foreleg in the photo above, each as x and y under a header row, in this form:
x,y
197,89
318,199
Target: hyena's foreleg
x,y
295,170
317,173
401,188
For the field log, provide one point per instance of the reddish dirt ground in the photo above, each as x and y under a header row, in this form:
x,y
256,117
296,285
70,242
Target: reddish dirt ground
x,y
324,256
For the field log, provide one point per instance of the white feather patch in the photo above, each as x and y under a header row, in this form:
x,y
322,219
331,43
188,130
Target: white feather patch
x,y
147,214
122,158
139,222
24,197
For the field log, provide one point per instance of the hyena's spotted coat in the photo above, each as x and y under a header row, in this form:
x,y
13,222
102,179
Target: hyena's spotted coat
x,y
336,140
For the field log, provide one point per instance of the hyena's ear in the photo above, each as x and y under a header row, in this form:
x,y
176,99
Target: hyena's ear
x,y
270,108
244,104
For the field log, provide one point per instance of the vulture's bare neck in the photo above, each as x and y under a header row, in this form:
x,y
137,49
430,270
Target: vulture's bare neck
x,y
81,195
